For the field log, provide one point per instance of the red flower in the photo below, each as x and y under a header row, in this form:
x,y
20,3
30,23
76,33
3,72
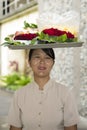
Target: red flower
x,y
29,36
70,35
56,32
49,31
53,32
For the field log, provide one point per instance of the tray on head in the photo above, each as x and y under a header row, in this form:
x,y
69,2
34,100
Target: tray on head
x,y
48,45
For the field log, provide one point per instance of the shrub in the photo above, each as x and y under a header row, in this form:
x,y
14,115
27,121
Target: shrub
x,y
15,81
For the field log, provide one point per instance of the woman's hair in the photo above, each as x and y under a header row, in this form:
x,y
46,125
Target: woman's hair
x,y
48,51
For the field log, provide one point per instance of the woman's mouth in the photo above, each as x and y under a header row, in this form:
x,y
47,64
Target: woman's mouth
x,y
42,68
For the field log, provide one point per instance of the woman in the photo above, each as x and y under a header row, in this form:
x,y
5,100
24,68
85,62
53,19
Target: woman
x,y
43,104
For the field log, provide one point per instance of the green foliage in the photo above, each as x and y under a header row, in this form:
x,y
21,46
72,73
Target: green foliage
x,y
15,80
10,41
53,39
27,25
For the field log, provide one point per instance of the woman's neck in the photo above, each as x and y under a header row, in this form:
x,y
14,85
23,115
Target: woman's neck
x,y
41,81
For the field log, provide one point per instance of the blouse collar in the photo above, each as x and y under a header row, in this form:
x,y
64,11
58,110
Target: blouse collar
x,y
46,86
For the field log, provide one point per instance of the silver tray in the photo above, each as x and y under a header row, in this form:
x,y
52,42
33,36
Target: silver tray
x,y
48,45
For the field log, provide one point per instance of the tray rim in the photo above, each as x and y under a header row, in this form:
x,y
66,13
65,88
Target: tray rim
x,y
48,45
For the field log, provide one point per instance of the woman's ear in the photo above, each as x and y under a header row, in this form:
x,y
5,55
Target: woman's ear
x,y
53,62
29,63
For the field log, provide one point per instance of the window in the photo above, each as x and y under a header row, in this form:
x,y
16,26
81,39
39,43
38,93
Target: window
x,y
6,8
3,7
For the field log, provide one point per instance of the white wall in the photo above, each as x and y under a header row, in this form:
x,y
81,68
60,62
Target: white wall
x,y
10,28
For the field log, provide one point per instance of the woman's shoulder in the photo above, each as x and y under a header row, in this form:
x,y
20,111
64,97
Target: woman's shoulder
x,y
60,86
62,89
65,92
24,89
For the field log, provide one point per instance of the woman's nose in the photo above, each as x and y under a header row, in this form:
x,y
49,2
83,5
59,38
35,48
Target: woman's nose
x,y
42,60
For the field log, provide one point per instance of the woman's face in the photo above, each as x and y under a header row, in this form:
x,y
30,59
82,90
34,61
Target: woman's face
x,y
41,63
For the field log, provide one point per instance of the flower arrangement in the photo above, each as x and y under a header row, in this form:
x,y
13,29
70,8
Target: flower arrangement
x,y
49,35
55,35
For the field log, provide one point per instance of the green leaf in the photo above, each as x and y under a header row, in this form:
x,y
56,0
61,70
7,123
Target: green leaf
x,y
26,25
32,25
7,39
33,41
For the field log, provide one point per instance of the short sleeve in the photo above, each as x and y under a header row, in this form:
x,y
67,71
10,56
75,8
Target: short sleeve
x,y
71,116
14,115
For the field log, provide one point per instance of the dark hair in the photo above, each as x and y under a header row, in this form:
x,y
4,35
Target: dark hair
x,y
48,51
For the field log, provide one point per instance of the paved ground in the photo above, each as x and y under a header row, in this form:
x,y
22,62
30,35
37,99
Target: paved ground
x,y
5,100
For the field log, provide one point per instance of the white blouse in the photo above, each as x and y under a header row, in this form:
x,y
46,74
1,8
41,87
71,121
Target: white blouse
x,y
48,109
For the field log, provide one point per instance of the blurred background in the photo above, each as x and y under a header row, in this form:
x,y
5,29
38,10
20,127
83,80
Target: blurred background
x,y
71,63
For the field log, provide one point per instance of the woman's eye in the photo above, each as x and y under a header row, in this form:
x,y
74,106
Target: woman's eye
x,y
36,57
47,57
